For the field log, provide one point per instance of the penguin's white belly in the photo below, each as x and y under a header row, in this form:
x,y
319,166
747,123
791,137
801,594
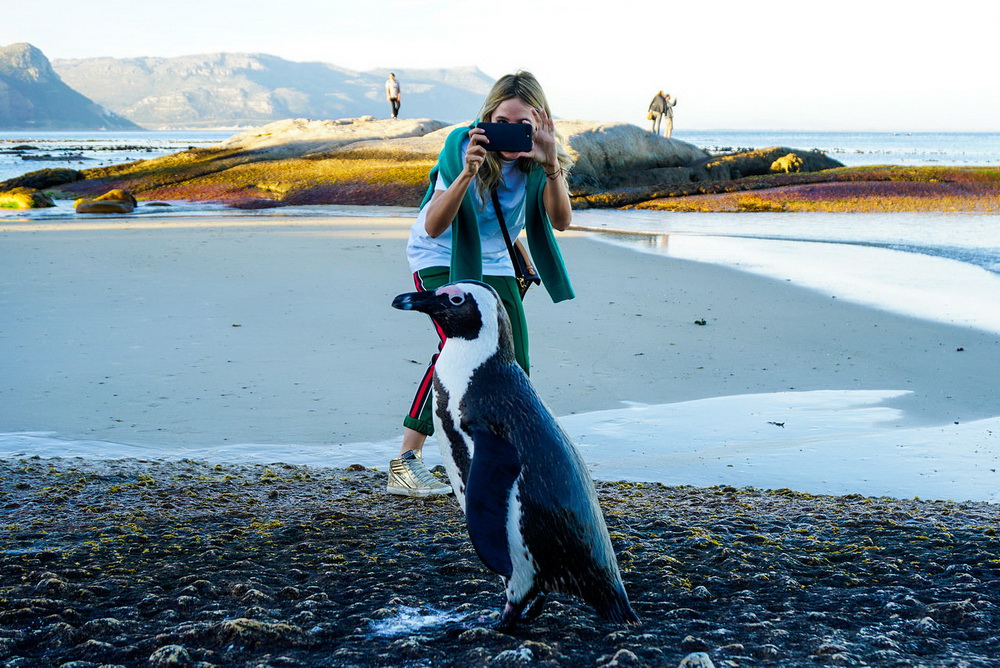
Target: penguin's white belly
x,y
453,371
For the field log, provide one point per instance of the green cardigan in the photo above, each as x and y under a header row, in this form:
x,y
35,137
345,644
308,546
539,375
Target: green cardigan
x,y
466,247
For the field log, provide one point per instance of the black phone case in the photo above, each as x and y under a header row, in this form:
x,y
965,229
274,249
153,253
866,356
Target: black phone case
x,y
507,137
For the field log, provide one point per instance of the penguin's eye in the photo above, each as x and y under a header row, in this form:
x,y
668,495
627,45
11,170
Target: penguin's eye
x,y
457,300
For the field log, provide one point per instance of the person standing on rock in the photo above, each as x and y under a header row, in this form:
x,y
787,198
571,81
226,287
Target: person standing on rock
x,y
662,107
393,93
457,236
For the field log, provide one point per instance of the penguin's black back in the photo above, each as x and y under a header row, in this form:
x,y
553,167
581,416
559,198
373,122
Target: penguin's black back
x,y
562,525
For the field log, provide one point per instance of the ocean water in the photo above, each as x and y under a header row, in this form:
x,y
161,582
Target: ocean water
x,y
27,151
863,148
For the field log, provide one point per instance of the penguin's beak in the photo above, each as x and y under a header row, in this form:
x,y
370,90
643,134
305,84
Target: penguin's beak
x,y
416,301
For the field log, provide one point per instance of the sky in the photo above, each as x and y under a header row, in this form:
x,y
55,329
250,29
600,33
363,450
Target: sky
x,y
883,65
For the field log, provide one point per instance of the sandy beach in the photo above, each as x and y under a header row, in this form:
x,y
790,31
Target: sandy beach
x,y
230,339
222,334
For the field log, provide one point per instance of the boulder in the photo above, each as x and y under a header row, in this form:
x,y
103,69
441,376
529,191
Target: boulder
x,y
607,148
43,178
621,154
113,201
759,162
24,198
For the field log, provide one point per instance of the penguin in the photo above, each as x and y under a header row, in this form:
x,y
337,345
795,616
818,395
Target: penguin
x,y
529,502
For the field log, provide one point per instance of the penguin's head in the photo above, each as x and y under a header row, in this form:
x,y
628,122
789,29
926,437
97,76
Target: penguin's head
x,y
463,310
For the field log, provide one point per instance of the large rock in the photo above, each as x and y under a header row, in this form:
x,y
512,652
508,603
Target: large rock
x,y
24,198
43,178
300,137
763,161
621,154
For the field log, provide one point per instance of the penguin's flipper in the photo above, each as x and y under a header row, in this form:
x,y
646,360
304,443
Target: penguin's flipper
x,y
492,474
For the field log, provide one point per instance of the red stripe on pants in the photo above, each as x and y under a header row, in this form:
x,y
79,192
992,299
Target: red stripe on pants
x,y
427,382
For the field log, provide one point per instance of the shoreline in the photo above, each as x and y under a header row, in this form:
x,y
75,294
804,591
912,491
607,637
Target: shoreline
x,y
144,336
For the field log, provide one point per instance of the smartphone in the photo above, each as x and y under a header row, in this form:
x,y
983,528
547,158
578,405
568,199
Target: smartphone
x,y
507,137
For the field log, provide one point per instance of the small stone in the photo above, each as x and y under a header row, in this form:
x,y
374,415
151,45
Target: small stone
x,y
829,649
480,635
926,626
766,652
622,657
170,656
408,647
513,657
254,596
693,644
696,660
701,593
104,625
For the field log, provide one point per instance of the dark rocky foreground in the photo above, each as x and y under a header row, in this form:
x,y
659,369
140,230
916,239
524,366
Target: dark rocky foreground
x,y
188,564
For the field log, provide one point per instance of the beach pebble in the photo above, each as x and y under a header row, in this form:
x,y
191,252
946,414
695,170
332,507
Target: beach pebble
x,y
696,660
620,659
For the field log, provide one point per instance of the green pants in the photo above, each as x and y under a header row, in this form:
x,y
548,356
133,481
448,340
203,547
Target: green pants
x,y
420,415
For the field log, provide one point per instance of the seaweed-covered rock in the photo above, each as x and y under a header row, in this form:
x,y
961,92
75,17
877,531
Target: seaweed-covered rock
x,y
24,198
43,178
759,162
113,201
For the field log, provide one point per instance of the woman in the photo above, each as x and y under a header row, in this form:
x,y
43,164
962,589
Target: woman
x,y
457,236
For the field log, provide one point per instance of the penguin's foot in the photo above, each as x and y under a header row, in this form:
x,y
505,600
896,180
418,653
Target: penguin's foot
x,y
534,608
510,616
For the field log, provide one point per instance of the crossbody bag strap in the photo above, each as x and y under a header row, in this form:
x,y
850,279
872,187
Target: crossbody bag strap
x,y
506,236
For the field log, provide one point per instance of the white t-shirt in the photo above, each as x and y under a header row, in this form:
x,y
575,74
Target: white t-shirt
x,y
423,251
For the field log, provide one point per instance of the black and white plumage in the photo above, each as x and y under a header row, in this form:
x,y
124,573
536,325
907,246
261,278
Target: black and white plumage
x,y
529,502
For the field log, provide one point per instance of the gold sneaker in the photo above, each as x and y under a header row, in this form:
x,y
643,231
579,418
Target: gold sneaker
x,y
409,477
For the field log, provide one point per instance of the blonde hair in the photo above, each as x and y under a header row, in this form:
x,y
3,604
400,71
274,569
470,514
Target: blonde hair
x,y
524,86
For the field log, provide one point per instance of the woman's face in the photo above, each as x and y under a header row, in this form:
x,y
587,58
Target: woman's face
x,y
513,110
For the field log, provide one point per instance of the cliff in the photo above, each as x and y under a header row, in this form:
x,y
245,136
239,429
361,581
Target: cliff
x,y
32,96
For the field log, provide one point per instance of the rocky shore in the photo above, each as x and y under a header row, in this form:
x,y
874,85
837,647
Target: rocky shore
x,y
365,161
189,564
370,161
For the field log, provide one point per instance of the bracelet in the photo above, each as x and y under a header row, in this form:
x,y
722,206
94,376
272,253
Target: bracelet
x,y
554,175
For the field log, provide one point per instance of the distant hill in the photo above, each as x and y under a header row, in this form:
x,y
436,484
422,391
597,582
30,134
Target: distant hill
x,y
32,96
249,89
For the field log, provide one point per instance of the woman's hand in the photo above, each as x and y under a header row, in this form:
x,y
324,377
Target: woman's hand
x,y
476,152
543,149
444,204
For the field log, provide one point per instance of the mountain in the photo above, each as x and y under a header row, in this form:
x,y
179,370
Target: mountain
x,y
239,89
32,96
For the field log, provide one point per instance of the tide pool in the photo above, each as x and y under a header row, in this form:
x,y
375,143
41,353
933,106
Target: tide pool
x,y
941,267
